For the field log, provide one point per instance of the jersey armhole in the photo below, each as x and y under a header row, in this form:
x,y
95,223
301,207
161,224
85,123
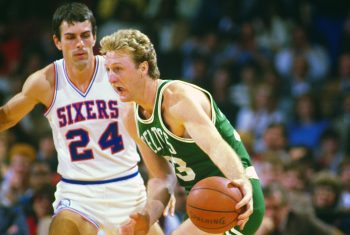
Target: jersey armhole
x,y
55,91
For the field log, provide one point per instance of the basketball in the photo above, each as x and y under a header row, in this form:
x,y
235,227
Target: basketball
x,y
211,204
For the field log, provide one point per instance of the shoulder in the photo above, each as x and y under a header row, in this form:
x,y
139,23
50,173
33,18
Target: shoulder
x,y
128,109
178,91
41,84
179,97
128,118
44,76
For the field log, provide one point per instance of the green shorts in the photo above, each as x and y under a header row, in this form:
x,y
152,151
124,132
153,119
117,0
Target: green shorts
x,y
259,209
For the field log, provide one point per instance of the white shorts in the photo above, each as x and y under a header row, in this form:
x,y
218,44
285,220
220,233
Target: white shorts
x,y
106,205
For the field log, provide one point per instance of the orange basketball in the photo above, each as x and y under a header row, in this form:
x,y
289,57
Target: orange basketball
x,y
211,204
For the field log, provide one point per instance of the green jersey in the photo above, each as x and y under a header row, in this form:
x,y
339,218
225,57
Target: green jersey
x,y
191,163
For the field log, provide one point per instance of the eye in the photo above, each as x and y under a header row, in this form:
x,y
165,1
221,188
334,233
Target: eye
x,y
116,69
86,35
69,37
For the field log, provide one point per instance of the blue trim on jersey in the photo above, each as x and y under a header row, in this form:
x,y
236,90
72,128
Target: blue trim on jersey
x,y
81,182
92,80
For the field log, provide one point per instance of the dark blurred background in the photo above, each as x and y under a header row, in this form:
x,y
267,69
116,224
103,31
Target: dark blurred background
x,y
278,69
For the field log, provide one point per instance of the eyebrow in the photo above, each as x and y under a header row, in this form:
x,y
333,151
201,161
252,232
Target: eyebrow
x,y
87,31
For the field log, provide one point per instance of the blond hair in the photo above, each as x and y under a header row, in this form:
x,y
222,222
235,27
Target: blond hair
x,y
135,43
23,149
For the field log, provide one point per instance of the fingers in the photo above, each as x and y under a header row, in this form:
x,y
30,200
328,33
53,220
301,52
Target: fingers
x,y
172,203
244,217
135,216
246,202
170,208
242,224
127,229
246,190
138,224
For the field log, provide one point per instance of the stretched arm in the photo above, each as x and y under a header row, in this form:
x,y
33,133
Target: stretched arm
x,y
220,152
35,88
160,185
161,182
198,122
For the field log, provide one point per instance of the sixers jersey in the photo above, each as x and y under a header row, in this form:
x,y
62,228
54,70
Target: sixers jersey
x,y
191,163
90,139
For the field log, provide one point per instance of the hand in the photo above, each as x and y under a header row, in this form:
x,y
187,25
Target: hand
x,y
137,225
170,208
246,202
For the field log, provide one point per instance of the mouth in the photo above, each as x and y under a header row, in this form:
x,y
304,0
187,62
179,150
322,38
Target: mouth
x,y
122,92
80,54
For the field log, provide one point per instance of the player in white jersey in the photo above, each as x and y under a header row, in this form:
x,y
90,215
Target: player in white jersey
x,y
100,185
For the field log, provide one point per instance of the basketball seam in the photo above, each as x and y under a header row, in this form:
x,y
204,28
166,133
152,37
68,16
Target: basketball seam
x,y
216,191
198,208
208,228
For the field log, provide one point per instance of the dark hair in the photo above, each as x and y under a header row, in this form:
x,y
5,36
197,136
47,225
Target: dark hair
x,y
279,125
72,12
275,188
330,133
328,179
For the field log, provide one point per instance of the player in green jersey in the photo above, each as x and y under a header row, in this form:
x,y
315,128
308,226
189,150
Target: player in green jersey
x,y
182,123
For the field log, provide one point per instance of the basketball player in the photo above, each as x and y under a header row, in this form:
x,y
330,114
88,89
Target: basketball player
x,y
100,183
180,122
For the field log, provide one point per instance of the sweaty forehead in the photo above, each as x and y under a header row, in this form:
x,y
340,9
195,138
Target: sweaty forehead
x,y
119,56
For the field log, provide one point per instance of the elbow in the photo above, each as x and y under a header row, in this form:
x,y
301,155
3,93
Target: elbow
x,y
5,123
167,181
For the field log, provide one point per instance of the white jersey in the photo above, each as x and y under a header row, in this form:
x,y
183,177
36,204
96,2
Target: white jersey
x,y
91,142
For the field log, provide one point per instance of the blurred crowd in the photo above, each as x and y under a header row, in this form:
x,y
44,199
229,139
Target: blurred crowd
x,y
278,69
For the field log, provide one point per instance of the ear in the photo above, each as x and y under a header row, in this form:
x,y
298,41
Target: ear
x,y
94,37
57,42
144,67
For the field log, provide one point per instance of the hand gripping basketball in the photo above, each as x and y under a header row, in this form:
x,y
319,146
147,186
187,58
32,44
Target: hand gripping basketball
x,y
211,204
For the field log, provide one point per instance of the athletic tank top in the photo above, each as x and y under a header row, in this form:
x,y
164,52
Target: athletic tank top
x,y
191,164
90,139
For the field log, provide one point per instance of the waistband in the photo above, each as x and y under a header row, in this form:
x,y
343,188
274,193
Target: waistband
x,y
82,182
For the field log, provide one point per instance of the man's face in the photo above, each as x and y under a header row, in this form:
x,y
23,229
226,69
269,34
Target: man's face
x,y
324,197
76,43
275,209
123,74
274,138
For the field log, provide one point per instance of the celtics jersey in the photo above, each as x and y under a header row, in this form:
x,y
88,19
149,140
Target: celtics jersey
x,y
191,164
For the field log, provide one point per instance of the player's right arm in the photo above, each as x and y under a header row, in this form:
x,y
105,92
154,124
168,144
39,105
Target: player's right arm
x,y
36,89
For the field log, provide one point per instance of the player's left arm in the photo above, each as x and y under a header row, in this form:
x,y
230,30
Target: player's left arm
x,y
160,185
202,130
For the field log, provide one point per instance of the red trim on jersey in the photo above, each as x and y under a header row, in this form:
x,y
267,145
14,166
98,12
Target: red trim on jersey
x,y
55,91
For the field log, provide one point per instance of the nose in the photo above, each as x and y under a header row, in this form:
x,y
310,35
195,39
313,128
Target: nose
x,y
80,42
111,77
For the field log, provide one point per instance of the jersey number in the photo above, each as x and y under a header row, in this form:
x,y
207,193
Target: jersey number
x,y
182,172
110,138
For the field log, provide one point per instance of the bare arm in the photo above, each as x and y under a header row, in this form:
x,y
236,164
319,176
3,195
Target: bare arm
x,y
36,89
161,181
160,184
198,122
220,152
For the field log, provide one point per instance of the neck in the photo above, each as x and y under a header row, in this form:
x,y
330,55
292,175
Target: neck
x,y
149,95
82,73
